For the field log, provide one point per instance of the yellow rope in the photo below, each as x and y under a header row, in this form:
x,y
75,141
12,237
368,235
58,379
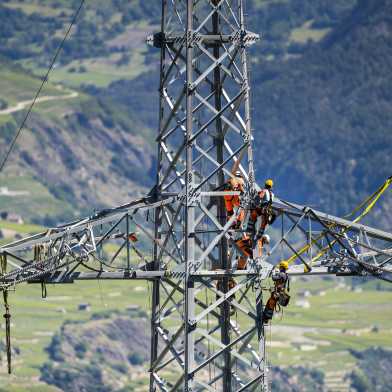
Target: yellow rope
x,y
369,202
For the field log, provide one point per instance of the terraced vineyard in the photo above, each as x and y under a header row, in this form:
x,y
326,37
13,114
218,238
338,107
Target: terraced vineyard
x,y
327,321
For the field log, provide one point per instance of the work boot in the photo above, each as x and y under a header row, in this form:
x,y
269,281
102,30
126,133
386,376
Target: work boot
x,y
267,315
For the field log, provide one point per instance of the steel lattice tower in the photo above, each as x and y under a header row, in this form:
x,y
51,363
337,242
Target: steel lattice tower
x,y
206,331
204,127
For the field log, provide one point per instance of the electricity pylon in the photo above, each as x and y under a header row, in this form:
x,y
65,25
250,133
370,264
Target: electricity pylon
x,y
206,329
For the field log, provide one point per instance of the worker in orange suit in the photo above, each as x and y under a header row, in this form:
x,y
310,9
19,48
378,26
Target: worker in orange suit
x,y
236,184
245,249
261,244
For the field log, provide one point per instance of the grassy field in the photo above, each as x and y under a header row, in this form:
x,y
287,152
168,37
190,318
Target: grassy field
x,y
97,71
17,86
61,305
38,7
305,32
338,319
36,199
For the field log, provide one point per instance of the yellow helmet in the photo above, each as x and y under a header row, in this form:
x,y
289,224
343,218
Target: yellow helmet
x,y
284,264
269,183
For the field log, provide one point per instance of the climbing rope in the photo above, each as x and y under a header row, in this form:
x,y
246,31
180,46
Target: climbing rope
x,y
39,255
7,317
7,314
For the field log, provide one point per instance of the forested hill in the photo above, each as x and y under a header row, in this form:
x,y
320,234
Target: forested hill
x,y
323,119
321,98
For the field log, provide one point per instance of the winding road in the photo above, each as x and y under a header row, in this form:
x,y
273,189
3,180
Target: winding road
x,y
24,104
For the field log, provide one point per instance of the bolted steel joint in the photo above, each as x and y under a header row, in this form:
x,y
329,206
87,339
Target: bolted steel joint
x,y
156,40
244,37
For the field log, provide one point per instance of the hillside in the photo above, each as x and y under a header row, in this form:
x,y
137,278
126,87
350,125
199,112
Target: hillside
x,y
78,152
98,140
321,97
373,371
324,117
96,355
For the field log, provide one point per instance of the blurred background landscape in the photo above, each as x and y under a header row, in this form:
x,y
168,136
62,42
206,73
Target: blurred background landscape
x,y
322,108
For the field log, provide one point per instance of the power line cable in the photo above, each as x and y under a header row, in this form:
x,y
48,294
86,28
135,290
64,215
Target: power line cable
x,y
75,17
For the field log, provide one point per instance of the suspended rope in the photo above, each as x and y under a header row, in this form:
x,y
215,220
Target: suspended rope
x,y
7,314
208,340
365,206
3,264
39,255
7,317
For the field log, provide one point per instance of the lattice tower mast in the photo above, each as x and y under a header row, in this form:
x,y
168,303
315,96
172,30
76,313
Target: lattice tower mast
x,y
204,129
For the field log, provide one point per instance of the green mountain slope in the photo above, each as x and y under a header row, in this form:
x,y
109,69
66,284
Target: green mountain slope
x,y
324,119
321,99
76,153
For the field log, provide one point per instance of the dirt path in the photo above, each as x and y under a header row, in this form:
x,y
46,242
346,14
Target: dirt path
x,y
24,104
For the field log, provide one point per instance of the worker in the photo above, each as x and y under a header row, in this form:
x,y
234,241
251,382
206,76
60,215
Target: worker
x,y
244,246
261,244
279,295
236,184
262,207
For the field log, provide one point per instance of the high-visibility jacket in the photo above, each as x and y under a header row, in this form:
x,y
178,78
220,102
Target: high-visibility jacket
x,y
262,203
266,196
280,279
245,245
236,184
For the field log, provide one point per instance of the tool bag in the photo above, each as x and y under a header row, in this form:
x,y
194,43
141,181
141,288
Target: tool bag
x,y
283,299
